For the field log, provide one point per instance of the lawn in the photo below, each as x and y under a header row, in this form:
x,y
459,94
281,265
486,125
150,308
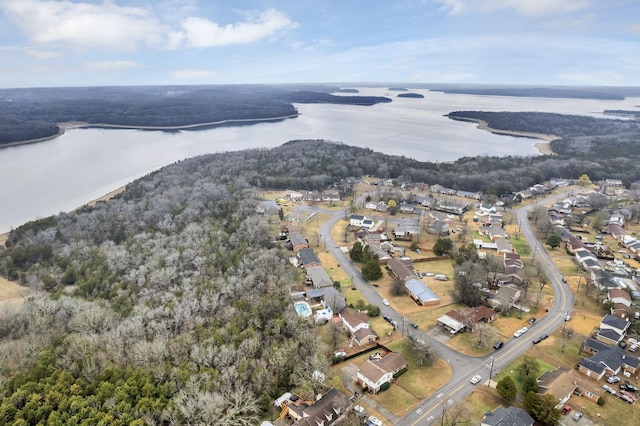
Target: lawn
x,y
414,385
472,409
512,370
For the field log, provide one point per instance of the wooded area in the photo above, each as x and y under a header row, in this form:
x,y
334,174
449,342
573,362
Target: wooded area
x,y
34,113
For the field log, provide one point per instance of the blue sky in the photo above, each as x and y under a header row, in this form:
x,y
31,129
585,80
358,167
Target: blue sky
x,y
145,42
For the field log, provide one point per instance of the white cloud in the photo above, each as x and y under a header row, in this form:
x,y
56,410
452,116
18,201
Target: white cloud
x,y
524,7
201,32
111,66
192,74
83,25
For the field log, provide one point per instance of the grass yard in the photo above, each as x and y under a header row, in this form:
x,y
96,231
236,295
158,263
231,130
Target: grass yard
x,y
512,370
414,385
471,410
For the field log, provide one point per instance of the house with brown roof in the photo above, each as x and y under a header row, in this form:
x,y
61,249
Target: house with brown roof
x,y
573,244
562,383
297,241
401,269
467,319
617,231
329,410
621,300
354,320
363,336
375,372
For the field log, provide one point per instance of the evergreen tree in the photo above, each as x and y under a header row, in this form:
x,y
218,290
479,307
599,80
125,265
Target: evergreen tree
x,y
507,388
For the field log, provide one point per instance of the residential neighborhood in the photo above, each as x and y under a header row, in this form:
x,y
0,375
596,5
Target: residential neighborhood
x,y
475,295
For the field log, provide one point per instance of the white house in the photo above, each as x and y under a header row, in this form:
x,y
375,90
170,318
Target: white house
x,y
354,320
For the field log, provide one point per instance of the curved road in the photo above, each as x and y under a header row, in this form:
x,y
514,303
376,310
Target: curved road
x,y
464,367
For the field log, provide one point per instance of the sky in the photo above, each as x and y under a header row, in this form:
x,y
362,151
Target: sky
x,y
158,42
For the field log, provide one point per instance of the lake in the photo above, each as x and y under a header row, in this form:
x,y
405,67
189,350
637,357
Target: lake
x,y
61,174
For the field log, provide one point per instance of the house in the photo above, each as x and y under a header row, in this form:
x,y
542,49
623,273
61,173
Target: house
x,y
407,208
603,280
612,329
420,292
353,320
308,258
375,372
439,228
617,219
512,260
607,360
472,195
510,416
400,269
364,336
504,246
587,259
467,319
405,233
326,411
621,300
562,383
318,277
616,231
506,297
574,244
297,241
356,220
452,321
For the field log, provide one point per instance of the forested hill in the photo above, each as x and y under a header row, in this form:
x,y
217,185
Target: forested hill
x,y
34,113
611,146
570,92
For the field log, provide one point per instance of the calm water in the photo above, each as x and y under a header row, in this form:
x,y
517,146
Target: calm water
x,y
64,173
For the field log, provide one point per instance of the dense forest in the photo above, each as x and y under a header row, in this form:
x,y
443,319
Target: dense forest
x,y
34,113
166,305
411,95
605,147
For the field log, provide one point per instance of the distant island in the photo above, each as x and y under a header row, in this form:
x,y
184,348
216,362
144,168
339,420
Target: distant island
x,y
398,89
410,95
571,92
347,91
34,115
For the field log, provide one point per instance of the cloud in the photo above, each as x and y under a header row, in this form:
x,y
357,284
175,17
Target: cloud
x,y
192,74
83,25
524,7
111,66
41,54
201,32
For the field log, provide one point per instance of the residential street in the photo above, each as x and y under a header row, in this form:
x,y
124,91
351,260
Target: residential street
x,y
464,367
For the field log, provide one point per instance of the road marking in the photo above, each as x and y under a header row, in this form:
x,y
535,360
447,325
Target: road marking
x,y
436,406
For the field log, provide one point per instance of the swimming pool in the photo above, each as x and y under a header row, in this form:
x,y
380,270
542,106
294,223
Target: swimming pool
x,y
303,309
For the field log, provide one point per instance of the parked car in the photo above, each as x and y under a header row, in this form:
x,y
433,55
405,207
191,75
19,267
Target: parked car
x,y
628,387
532,320
613,379
566,410
633,347
609,389
428,274
385,302
394,324
567,316
517,334
625,398
544,336
475,379
622,344
498,345
632,341
359,410
537,340
339,352
413,325
577,416
386,318
373,421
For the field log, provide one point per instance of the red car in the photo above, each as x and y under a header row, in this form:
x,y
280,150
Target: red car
x,y
566,410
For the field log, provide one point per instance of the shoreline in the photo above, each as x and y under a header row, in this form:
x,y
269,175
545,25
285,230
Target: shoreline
x,y
77,125
544,147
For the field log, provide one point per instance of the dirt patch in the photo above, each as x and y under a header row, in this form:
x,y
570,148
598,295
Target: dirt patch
x,y
11,292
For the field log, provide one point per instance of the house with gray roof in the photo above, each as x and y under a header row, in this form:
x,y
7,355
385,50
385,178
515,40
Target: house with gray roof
x,y
421,293
607,360
308,257
318,277
510,416
612,329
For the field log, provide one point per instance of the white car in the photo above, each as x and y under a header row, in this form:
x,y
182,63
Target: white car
x,y
373,421
520,332
475,379
385,302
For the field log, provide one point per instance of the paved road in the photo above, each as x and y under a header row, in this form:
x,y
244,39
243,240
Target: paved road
x,y
464,367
